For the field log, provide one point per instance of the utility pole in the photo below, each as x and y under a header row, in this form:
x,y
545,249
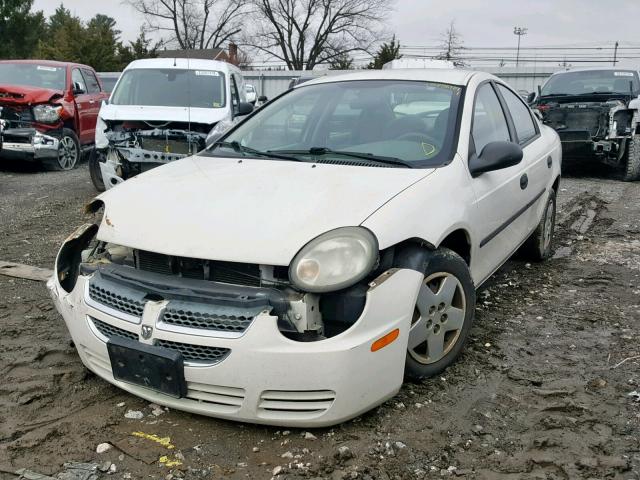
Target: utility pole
x,y
615,54
519,31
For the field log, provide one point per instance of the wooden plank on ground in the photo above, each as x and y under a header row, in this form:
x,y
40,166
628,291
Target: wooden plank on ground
x,y
28,272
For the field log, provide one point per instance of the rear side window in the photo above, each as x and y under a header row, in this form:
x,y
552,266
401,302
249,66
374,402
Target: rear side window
x,y
489,122
525,128
92,83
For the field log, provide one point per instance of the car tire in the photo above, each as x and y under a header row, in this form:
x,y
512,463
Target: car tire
x,y
69,152
94,170
632,165
443,316
538,246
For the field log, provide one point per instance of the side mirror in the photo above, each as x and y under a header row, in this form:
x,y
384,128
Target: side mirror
x,y
531,97
77,89
495,156
244,108
263,99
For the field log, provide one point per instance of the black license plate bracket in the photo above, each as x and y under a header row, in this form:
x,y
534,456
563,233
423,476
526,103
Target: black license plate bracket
x,y
156,368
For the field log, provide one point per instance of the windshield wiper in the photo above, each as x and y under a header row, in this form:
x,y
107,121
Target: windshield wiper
x,y
317,151
236,147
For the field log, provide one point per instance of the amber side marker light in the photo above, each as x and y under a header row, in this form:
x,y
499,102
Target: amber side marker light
x,y
386,340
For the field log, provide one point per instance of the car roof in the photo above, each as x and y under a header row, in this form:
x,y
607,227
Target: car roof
x,y
50,63
597,69
183,63
452,76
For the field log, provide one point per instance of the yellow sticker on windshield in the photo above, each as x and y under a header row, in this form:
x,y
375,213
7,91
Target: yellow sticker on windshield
x,y
428,149
216,105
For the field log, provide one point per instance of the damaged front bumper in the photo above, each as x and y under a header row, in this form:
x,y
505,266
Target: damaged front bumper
x,y
28,143
237,363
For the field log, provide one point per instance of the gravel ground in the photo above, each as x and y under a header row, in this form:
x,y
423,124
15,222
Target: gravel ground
x,y
542,391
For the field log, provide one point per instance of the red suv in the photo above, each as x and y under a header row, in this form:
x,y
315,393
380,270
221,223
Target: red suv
x,y
48,110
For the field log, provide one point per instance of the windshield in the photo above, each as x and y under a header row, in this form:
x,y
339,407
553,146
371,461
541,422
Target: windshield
x,y
42,76
593,81
412,122
170,87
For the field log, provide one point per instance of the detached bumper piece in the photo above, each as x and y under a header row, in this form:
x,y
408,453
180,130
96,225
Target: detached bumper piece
x,y
28,143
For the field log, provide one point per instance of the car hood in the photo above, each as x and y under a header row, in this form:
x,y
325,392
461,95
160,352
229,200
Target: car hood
x,y
253,211
209,116
23,95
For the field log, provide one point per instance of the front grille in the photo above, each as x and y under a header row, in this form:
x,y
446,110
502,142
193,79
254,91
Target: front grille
x,y
110,331
117,297
209,317
245,274
190,353
17,117
196,353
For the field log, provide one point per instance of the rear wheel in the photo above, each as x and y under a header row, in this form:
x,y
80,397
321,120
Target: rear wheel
x,y
538,245
443,316
94,170
632,166
68,152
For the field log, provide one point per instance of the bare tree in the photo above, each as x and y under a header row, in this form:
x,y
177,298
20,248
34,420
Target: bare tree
x,y
192,24
451,45
306,33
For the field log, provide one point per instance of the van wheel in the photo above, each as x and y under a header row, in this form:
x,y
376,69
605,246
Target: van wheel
x,y
538,246
442,317
94,170
632,167
68,152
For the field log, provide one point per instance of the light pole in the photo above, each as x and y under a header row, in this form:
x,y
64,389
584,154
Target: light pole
x,y
519,31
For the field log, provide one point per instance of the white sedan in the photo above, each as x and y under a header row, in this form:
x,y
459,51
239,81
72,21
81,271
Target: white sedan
x,y
322,251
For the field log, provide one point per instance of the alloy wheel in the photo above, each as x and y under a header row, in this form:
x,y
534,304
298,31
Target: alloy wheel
x,y
67,153
438,319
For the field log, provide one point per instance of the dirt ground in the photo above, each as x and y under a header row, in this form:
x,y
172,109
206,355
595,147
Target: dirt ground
x,y
542,391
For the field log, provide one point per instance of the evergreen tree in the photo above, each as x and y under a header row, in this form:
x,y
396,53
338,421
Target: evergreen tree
x,y
20,29
387,52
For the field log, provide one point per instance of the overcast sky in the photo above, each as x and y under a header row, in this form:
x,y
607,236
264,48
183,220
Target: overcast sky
x,y
481,23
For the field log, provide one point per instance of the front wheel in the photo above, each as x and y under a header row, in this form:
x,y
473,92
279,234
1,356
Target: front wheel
x,y
443,316
68,152
632,166
94,170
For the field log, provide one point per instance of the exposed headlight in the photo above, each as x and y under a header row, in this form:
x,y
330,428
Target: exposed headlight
x,y
47,113
334,260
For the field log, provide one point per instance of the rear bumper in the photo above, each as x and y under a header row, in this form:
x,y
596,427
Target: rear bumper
x,y
265,377
28,143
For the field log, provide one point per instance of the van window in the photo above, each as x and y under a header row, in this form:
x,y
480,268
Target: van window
x,y
171,87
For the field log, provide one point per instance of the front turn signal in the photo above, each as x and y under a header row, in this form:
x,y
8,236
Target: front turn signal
x,y
385,340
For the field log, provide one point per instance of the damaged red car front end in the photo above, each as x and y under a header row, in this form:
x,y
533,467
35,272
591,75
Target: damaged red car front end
x,y
40,110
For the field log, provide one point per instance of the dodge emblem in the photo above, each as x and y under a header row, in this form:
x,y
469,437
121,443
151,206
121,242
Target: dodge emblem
x,y
146,332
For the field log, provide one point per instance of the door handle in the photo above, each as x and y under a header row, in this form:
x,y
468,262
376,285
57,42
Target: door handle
x,y
524,181
92,102
549,161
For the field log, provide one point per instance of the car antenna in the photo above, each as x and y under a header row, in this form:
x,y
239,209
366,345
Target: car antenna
x,y
189,105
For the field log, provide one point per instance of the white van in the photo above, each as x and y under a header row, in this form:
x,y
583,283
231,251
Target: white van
x,y
163,109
